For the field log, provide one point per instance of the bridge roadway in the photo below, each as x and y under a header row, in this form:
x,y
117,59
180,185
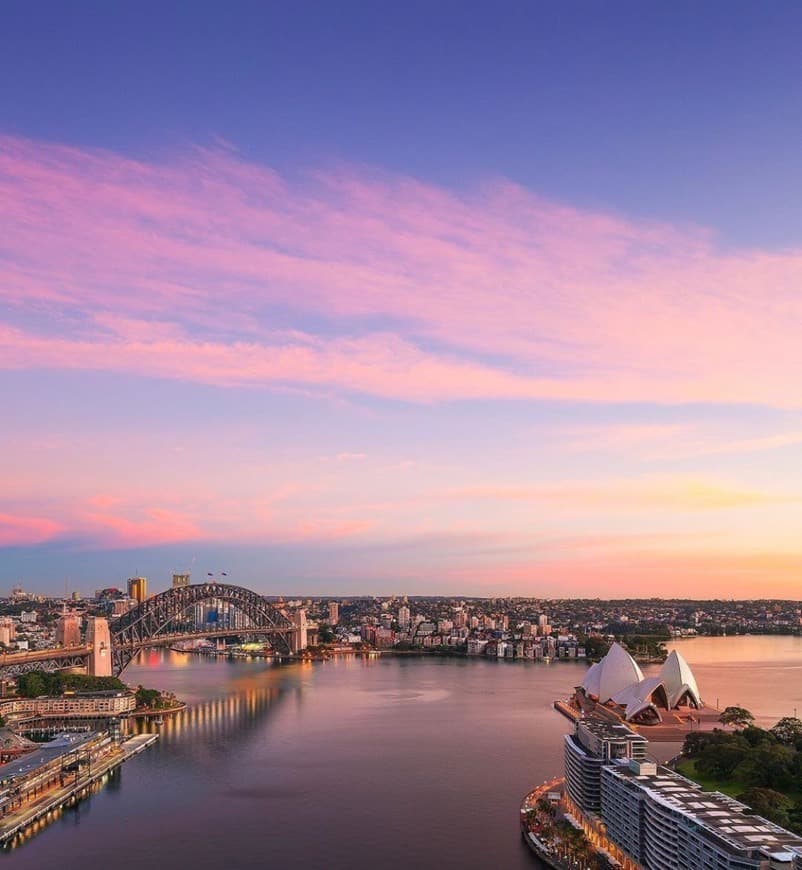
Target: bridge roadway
x,y
160,621
14,664
61,658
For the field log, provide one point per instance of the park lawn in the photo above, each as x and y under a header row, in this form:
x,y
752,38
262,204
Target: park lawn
x,y
732,787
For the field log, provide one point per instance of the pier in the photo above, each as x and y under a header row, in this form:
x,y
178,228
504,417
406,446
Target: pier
x,y
52,800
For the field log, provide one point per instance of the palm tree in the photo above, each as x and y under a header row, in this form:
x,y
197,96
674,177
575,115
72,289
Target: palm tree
x,y
546,807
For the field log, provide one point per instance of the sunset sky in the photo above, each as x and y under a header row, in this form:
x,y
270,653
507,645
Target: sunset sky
x,y
419,298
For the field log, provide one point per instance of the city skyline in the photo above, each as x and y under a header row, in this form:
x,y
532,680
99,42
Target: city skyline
x,y
433,304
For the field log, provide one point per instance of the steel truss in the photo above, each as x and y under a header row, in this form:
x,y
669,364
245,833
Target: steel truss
x,y
163,618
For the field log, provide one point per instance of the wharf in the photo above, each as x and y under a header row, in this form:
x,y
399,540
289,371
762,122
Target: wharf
x,y
567,710
542,852
16,821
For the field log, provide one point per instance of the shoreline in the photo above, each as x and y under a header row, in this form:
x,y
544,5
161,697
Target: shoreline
x,y
147,713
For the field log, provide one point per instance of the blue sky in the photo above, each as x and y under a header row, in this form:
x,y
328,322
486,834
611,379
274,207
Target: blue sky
x,y
685,111
401,297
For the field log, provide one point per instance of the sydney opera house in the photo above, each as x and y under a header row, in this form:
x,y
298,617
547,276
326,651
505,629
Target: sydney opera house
x,y
617,683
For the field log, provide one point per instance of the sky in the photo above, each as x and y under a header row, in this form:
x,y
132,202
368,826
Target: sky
x,y
422,298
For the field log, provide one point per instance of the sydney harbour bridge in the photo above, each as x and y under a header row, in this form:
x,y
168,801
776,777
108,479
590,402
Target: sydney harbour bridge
x,y
161,620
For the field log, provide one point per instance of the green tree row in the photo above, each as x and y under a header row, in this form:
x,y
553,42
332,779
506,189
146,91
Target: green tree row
x,y
768,762
38,683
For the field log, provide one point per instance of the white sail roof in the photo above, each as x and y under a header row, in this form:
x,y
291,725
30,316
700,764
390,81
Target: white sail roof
x,y
638,696
592,682
614,673
678,679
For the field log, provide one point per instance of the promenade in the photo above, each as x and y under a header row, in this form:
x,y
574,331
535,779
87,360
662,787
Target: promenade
x,y
51,801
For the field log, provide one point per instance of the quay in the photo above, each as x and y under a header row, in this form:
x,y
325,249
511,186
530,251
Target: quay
x,y
16,820
567,710
549,790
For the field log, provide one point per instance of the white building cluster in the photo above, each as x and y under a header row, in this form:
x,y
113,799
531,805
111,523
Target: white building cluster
x,y
617,681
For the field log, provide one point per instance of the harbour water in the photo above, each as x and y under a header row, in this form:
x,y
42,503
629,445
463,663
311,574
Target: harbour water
x,y
358,763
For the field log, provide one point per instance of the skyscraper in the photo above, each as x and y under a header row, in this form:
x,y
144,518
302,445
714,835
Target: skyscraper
x,y
138,588
6,631
334,612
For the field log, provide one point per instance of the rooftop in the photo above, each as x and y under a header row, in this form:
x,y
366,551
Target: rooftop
x,y
49,751
604,729
728,820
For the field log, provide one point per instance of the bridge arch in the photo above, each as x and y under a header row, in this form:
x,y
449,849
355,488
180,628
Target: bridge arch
x,y
158,620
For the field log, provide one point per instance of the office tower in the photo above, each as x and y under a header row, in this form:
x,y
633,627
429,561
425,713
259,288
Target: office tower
x,y
138,588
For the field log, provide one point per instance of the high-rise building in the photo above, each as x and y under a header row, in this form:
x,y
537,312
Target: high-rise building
x,y
68,630
664,821
122,605
594,743
334,613
659,819
6,631
99,638
138,588
403,617
180,580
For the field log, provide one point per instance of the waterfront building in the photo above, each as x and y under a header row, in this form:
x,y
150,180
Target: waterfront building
x,y
180,580
138,588
617,681
658,819
334,613
403,617
76,704
594,743
68,630
664,822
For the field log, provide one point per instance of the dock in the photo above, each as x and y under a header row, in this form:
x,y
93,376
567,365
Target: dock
x,y
53,800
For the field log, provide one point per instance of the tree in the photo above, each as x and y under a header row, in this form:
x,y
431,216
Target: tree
x,y
769,765
31,685
546,807
738,717
150,698
695,742
756,736
721,755
788,730
596,647
770,804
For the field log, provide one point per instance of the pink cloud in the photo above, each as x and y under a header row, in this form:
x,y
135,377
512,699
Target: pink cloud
x,y
176,268
149,527
19,531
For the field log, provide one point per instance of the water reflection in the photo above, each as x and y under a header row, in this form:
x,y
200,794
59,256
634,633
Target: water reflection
x,y
356,763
